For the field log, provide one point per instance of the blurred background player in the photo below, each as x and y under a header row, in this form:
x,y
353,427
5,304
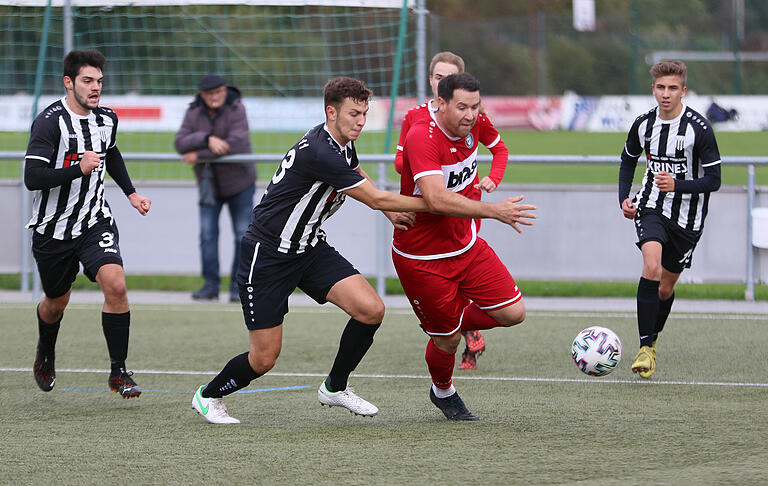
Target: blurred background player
x,y
71,142
453,279
215,124
444,64
285,248
682,169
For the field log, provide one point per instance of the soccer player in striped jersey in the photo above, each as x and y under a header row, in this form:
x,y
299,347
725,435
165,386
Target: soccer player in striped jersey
x,y
682,169
285,248
71,144
444,64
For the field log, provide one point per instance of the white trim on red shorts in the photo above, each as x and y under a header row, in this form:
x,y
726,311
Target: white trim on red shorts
x,y
503,304
447,333
438,256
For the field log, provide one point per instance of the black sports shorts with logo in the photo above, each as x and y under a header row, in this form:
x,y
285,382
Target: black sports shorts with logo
x,y
677,244
267,277
58,261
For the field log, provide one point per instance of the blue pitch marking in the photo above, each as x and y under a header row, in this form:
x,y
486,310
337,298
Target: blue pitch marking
x,y
298,387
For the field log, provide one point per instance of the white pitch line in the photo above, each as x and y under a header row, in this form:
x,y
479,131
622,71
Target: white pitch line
x,y
423,377
597,314
673,315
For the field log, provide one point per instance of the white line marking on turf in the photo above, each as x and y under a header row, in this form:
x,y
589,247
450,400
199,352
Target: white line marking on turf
x,y
673,315
423,377
597,314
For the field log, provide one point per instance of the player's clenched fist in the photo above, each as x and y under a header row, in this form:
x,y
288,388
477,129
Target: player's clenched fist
x,y
89,162
628,208
512,213
141,203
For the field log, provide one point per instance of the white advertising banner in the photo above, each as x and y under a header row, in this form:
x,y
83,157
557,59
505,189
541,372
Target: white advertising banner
x,y
568,112
165,113
616,113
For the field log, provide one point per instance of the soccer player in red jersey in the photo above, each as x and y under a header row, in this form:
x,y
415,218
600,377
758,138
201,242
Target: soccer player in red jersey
x,y
444,64
453,279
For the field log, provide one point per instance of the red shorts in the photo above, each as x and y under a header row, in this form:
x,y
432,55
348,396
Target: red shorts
x,y
439,290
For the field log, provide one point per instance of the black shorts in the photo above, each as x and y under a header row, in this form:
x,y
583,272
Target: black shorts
x,y
677,244
267,277
58,261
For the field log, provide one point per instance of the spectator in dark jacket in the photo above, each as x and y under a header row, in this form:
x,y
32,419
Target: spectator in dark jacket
x,y
214,125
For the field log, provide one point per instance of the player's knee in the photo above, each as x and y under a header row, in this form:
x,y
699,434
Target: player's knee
x,y
51,310
652,270
114,289
513,315
449,344
372,312
665,292
262,362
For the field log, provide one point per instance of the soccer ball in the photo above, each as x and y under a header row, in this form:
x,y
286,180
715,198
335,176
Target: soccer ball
x,y
596,351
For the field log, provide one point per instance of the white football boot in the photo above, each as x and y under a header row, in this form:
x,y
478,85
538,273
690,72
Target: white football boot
x,y
347,399
212,409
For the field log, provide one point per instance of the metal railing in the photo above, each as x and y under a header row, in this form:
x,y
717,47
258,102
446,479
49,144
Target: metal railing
x,y
384,161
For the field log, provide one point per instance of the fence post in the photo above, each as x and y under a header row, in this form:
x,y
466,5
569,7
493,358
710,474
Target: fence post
x,y
381,230
749,293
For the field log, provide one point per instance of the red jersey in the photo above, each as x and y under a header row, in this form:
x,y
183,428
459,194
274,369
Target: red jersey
x,y
424,112
428,150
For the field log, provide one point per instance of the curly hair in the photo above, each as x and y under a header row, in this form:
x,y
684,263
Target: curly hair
x,y
338,89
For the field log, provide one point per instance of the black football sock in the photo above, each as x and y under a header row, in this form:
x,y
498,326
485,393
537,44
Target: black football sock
x,y
647,310
665,306
115,328
355,341
48,333
236,374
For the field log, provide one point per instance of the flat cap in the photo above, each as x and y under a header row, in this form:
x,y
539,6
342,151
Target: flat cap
x,y
210,81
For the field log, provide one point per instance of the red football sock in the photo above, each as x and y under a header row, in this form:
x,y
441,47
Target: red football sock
x,y
476,320
440,365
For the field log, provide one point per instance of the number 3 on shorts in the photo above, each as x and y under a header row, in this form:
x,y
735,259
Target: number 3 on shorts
x,y
108,239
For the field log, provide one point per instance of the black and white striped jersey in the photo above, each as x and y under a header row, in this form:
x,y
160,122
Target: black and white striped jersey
x,y
58,139
686,148
307,188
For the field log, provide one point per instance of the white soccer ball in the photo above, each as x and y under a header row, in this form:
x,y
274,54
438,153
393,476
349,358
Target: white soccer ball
x,y
596,351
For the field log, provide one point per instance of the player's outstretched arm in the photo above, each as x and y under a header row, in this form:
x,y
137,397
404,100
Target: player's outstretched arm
x,y
375,198
511,212
441,200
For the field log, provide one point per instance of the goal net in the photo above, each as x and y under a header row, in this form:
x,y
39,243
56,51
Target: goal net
x,y
278,53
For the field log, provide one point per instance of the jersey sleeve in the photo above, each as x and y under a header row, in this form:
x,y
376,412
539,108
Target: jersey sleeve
x,y
39,171
401,143
633,147
709,154
116,168
422,153
114,131
491,138
332,167
44,138
629,155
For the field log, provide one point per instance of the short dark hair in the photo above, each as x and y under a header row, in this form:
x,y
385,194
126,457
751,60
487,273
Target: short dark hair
x,y
338,89
78,58
449,84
